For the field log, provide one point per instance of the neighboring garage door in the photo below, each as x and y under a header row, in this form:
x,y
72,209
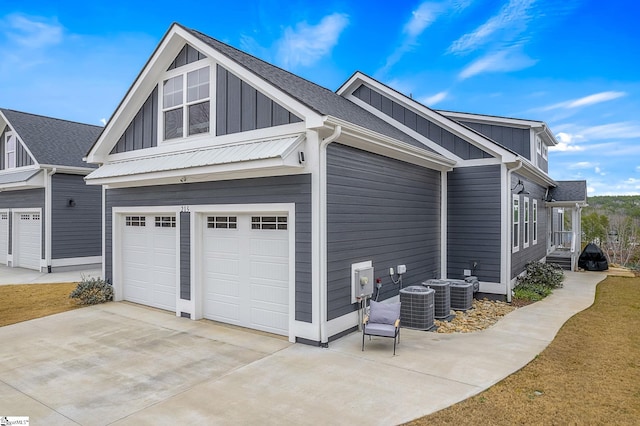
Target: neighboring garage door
x,y
149,260
246,271
4,237
28,242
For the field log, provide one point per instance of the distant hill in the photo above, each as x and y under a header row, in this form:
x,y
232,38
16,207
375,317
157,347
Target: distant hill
x,y
624,205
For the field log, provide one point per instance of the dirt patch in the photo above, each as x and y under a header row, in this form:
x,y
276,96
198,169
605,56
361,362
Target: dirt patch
x,y
28,301
589,374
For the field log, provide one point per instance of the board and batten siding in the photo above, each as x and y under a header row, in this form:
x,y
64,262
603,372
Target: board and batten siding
x,y
76,231
420,124
281,189
513,138
383,210
142,132
534,252
240,107
25,199
474,222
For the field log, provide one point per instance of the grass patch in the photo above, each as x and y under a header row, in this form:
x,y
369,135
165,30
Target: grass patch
x,y
589,374
28,301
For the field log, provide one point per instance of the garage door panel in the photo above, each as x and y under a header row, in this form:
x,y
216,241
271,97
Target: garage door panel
x,y
28,250
246,274
149,260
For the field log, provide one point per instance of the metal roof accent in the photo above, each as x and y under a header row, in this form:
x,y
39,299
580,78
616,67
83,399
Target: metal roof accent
x,y
242,152
16,177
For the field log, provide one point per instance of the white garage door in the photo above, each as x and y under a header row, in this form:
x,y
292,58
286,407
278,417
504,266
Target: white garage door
x,y
4,237
246,271
149,260
27,246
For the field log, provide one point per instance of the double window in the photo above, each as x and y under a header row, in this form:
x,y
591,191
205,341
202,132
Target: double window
x,y
186,104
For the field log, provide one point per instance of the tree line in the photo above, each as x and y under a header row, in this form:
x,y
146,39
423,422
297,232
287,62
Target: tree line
x,y
613,223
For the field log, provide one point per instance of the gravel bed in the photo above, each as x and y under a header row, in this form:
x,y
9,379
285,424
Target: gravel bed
x,y
483,314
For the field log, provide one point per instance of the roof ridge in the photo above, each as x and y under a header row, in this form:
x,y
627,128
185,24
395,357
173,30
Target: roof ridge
x,y
51,118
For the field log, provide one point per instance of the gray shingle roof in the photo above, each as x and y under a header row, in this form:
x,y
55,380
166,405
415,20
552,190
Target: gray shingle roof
x,y
52,140
570,190
318,98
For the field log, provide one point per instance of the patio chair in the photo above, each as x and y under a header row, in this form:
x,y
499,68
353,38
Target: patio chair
x,y
384,321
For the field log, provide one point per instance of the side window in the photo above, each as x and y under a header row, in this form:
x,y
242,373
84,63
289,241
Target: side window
x,y
516,224
525,225
535,222
10,147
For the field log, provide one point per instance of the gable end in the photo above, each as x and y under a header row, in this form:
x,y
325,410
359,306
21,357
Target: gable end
x,y
419,124
186,56
142,132
21,154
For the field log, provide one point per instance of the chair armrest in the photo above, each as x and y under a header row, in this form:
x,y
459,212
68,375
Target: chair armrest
x,y
397,324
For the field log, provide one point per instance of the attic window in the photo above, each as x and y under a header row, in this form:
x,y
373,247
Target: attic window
x,y
185,101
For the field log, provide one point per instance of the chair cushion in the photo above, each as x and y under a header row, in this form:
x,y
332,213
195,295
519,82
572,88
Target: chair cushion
x,y
384,330
384,313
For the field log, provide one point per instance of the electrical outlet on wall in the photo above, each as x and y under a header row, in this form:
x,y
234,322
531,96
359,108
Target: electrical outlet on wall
x,y
391,271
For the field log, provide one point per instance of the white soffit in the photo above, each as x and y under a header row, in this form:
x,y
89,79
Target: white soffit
x,y
237,153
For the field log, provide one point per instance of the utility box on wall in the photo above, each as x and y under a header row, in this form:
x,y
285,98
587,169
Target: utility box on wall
x,y
362,279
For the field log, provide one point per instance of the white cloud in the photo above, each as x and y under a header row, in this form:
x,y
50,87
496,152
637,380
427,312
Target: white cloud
x,y
586,100
103,121
306,44
580,165
434,99
421,18
31,32
508,24
620,130
500,61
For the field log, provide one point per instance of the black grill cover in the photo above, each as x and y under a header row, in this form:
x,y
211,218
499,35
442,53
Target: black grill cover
x,y
593,259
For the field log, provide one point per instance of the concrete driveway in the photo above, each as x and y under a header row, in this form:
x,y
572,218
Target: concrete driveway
x,y
120,363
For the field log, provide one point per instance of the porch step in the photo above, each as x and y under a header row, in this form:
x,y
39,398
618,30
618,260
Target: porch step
x,y
563,262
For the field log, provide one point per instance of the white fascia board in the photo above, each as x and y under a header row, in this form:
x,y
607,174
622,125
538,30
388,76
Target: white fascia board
x,y
367,140
535,174
71,170
445,122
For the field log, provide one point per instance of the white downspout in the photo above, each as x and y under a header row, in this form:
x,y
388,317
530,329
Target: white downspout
x,y
322,297
509,245
47,217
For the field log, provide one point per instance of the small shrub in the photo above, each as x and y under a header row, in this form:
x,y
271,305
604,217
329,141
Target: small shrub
x,y
91,291
538,281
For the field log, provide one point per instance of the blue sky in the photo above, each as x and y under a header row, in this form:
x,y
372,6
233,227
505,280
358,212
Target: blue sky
x,y
574,64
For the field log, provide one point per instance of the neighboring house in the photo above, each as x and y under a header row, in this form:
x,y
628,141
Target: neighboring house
x,y
239,192
49,219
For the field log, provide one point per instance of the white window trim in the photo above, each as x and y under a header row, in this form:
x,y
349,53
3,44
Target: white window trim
x,y
184,70
525,223
538,144
535,222
515,233
545,152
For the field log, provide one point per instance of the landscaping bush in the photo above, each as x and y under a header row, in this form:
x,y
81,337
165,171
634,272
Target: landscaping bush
x,y
91,291
538,281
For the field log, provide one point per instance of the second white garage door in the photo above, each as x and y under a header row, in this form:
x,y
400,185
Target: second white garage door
x,y
4,237
28,240
149,260
246,271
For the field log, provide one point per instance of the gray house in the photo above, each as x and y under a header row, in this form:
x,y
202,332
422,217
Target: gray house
x,y
49,218
239,192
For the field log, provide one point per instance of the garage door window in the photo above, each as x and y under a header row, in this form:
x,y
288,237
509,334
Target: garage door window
x,y
222,222
165,221
135,221
4,216
269,222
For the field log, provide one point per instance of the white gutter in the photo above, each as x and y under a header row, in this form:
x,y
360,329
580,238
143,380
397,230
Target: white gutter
x,y
508,246
47,216
322,296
